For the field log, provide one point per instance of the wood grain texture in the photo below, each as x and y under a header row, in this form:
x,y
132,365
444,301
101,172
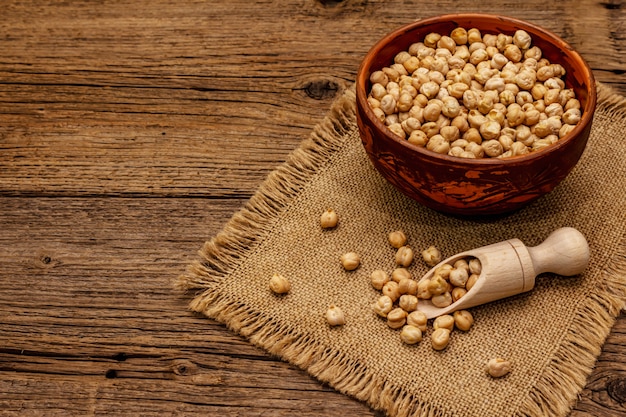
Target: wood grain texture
x,y
130,132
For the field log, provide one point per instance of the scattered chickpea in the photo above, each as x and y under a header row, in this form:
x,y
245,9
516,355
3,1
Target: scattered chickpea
x,y
392,290
463,320
397,239
329,219
440,338
399,274
408,302
350,261
431,256
446,321
411,334
404,256
383,305
279,284
379,278
335,316
396,318
498,367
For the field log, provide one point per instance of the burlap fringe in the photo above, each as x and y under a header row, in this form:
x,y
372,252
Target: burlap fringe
x,y
572,363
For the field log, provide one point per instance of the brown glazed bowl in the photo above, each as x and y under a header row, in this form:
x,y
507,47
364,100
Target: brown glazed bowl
x,y
483,186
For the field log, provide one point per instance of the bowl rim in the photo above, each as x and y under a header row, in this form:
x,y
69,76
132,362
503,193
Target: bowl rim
x,y
587,111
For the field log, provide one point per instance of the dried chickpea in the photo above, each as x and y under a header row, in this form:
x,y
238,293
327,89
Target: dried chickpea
x,y
411,334
423,289
379,278
440,338
392,290
431,255
335,316
279,284
445,321
329,219
397,239
463,320
408,302
396,318
418,319
458,277
404,256
383,306
437,285
457,293
350,261
400,274
471,281
498,367
442,300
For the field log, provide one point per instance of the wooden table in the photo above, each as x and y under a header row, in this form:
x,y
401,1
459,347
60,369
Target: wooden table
x,y
130,132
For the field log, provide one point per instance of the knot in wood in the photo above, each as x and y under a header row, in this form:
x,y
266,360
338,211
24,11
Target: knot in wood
x,y
184,367
616,388
321,89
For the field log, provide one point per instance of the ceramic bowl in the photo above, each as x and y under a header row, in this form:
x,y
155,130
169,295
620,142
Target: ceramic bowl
x,y
482,186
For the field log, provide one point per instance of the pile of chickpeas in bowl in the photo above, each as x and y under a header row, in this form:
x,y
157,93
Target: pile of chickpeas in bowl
x,y
473,95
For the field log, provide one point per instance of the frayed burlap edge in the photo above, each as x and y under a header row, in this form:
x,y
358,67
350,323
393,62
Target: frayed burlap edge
x,y
569,368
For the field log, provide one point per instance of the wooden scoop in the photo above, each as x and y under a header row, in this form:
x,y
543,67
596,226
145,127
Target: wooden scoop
x,y
510,268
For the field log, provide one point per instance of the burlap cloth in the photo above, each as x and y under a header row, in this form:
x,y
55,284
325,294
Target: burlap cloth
x,y
552,335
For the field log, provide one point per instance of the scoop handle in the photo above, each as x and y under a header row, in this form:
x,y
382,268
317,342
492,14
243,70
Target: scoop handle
x,y
564,252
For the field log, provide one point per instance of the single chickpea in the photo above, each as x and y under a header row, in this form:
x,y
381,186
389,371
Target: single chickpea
x,y
450,133
383,305
379,278
279,284
397,129
463,320
459,35
423,289
438,144
492,148
459,276
446,322
475,149
397,239
474,35
410,334
431,255
329,219
490,130
350,261
379,77
398,274
437,285
440,338
396,318
498,367
474,266
431,39
442,300
444,271
404,256
418,138
457,293
391,289
418,319
335,316
408,302
471,281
